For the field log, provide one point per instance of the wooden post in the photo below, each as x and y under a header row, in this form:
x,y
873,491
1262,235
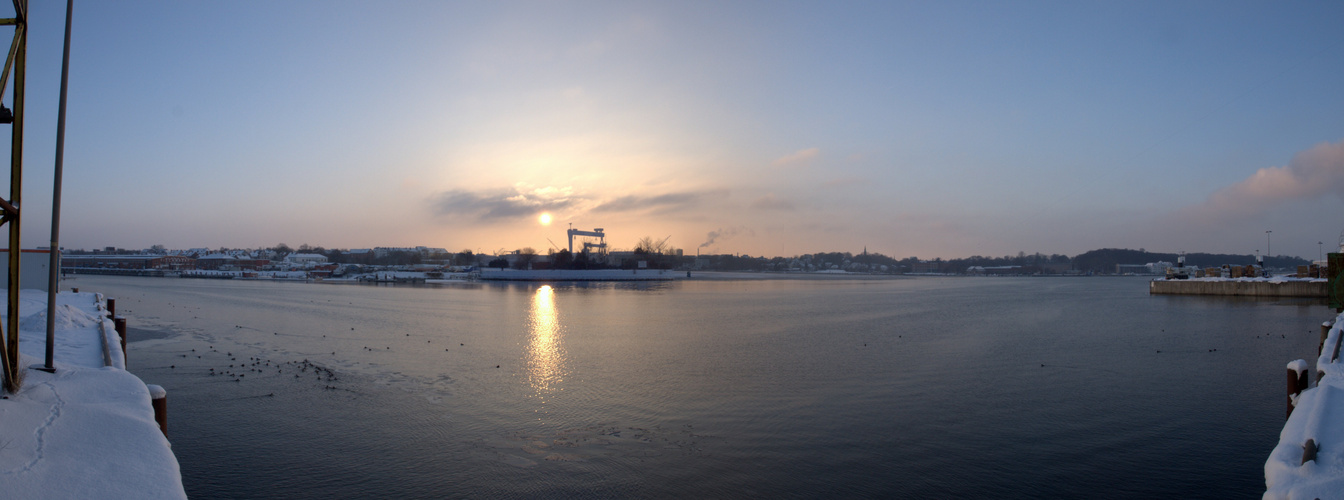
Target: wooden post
x,y
1325,332
1309,451
1297,382
111,307
74,290
1292,386
158,398
120,323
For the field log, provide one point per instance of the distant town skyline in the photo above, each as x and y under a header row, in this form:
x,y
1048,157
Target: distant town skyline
x,y
944,129
283,248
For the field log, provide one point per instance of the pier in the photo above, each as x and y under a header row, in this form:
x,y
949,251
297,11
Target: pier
x,y
1309,459
1243,287
90,429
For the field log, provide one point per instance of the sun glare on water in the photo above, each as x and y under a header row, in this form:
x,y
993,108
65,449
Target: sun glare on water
x,y
544,219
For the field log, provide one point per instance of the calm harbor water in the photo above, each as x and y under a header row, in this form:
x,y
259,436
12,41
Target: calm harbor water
x,y
927,387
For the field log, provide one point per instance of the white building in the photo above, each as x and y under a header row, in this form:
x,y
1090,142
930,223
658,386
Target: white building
x,y
303,259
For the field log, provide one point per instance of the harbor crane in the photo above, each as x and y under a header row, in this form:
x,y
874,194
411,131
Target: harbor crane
x,y
594,240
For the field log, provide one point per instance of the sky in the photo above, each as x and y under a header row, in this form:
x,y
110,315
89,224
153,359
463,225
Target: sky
x,y
926,129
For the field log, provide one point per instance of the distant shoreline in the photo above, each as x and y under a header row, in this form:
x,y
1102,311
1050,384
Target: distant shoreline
x,y
774,275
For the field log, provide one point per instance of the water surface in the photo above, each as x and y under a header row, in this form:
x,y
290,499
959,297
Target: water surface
x,y
928,387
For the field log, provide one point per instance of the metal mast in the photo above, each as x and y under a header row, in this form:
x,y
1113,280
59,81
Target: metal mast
x,y
17,60
53,278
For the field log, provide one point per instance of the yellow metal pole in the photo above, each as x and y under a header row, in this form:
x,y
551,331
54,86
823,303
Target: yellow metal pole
x,y
15,193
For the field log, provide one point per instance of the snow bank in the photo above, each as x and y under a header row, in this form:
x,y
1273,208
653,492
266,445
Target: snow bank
x,y
68,317
88,430
84,433
1319,417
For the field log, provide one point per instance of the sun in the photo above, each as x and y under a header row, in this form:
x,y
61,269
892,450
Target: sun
x,y
544,219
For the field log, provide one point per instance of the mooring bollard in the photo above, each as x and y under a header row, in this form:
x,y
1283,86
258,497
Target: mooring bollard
x,y
120,324
111,308
1309,451
158,398
74,290
1297,382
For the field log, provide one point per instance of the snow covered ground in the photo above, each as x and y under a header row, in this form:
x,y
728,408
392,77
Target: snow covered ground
x,y
1271,279
88,430
1318,416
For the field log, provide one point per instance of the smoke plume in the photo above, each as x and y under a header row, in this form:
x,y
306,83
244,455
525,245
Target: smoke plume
x,y
1313,173
721,233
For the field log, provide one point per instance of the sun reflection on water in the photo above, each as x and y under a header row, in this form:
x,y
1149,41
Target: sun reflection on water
x,y
545,355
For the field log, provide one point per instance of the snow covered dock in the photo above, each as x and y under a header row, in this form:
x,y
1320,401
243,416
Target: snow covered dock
x,y
1278,286
1309,459
88,430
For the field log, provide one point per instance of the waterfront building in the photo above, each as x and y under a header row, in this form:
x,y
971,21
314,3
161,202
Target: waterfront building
x,y
226,262
168,262
304,259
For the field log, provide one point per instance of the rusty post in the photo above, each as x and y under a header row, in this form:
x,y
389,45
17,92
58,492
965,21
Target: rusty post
x,y
1292,386
54,252
1325,332
120,323
111,307
1297,382
158,398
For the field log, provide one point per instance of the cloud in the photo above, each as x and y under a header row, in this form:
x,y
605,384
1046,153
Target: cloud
x,y
634,203
1311,174
503,203
519,201
798,157
770,202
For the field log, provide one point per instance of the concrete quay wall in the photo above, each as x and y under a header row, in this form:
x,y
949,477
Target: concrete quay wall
x,y
579,275
1239,288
